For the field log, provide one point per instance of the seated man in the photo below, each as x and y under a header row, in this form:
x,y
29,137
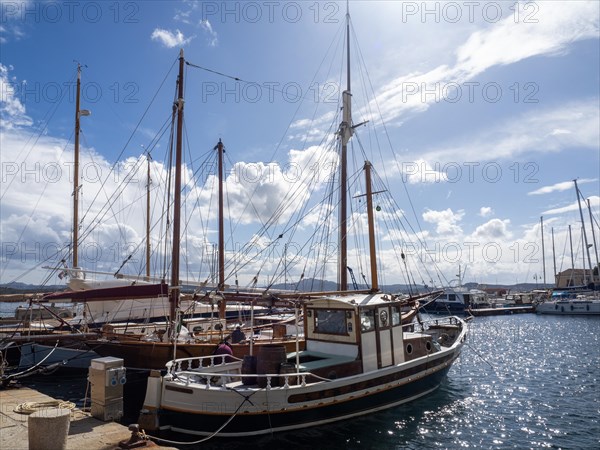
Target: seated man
x,y
224,349
237,335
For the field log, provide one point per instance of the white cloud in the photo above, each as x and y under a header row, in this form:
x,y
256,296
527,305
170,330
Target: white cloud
x,y
494,229
212,36
558,131
12,111
529,132
170,39
485,211
446,221
562,186
594,203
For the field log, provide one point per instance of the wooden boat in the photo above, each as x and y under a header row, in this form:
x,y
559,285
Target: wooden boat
x,y
358,360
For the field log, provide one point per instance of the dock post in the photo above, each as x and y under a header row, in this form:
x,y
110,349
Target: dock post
x,y
49,428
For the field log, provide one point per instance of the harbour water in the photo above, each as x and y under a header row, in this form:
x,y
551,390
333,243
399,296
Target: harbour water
x,y
522,381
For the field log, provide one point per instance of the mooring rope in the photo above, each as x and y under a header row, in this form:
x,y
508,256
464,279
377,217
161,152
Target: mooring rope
x,y
31,407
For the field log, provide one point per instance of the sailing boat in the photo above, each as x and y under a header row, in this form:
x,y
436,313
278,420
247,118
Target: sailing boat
x,y
359,358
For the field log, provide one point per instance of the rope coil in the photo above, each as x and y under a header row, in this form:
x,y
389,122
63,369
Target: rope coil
x,y
31,407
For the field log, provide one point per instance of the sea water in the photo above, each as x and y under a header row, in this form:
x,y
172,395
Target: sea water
x,y
522,381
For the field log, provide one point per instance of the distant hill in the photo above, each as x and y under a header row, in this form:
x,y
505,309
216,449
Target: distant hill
x,y
19,288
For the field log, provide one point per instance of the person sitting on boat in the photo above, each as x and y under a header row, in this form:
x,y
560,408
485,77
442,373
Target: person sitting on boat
x,y
237,335
224,349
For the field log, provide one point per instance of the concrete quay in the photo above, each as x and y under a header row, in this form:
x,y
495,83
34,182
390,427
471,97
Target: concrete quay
x,y
85,432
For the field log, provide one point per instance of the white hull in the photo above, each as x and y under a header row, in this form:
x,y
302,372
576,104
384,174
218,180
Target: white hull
x,y
570,307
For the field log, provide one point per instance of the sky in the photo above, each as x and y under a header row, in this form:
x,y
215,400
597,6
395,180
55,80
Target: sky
x,y
479,116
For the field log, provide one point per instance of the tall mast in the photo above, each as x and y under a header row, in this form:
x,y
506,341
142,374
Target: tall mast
x,y
593,238
543,249
587,249
221,283
174,292
148,182
345,135
76,174
371,222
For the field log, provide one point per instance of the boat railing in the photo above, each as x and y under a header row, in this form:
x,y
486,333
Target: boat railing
x,y
211,378
424,325
218,370
202,363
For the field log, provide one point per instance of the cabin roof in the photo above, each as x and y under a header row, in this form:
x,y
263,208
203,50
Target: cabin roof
x,y
354,300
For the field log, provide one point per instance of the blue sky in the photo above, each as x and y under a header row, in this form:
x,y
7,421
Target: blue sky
x,y
491,110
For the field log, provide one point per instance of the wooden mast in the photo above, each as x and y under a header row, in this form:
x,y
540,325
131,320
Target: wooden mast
x,y
371,222
345,135
76,174
174,291
221,282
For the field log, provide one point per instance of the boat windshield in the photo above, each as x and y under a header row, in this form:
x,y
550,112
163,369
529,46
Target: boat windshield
x,y
330,321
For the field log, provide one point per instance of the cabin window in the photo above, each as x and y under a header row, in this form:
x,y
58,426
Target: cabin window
x,y
330,321
396,315
452,297
367,320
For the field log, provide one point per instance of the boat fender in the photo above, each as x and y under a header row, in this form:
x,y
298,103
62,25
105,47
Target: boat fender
x,y
572,307
587,307
562,309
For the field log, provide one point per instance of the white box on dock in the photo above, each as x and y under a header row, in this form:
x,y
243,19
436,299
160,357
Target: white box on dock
x,y
108,362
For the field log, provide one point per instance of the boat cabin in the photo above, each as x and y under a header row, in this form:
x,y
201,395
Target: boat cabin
x,y
363,331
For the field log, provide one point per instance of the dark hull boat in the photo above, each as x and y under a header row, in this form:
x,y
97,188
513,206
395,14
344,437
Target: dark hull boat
x,y
359,359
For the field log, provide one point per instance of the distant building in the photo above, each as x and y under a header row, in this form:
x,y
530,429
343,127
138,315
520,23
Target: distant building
x,y
574,277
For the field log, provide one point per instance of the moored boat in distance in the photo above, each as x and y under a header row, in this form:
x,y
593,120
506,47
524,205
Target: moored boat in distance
x,y
570,302
457,301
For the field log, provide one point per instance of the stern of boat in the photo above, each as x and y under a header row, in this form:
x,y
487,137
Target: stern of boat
x,y
148,419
